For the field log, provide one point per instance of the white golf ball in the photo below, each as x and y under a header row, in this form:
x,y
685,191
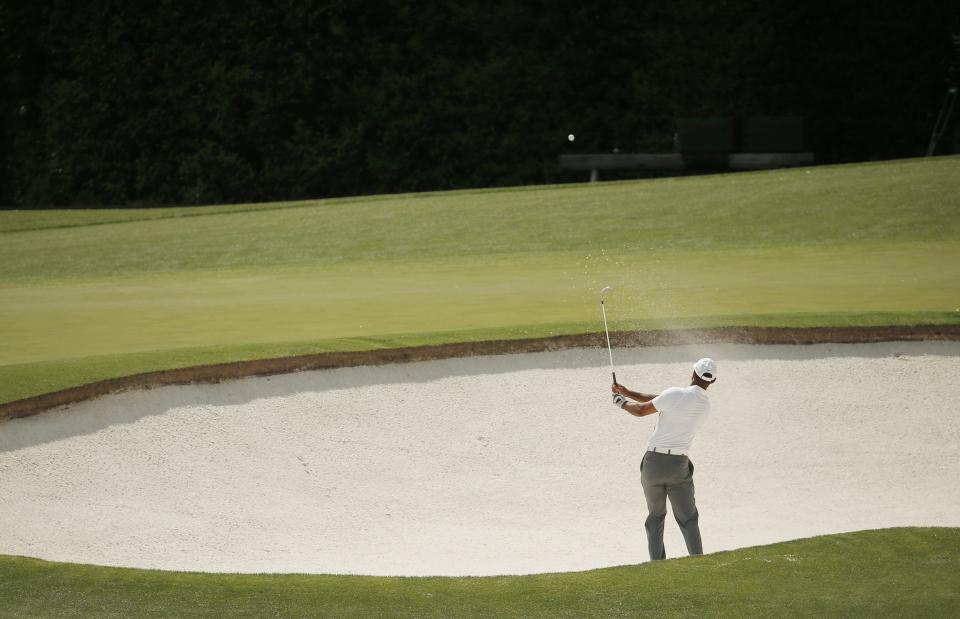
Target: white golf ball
x,y
571,137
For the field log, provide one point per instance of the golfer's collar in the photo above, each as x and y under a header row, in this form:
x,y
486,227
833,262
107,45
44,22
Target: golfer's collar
x,y
698,387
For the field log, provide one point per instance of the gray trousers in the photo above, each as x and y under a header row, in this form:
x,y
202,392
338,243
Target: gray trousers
x,y
663,476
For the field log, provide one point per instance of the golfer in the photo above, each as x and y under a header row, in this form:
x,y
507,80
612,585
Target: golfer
x,y
666,470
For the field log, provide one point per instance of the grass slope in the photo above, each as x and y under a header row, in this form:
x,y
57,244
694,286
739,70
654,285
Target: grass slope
x,y
892,572
912,200
86,295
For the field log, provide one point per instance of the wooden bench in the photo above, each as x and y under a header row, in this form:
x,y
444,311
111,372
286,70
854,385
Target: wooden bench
x,y
768,161
595,162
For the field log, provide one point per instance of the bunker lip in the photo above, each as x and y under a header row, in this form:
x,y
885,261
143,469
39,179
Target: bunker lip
x,y
282,365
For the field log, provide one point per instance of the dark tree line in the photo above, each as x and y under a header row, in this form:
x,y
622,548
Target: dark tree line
x,y
165,102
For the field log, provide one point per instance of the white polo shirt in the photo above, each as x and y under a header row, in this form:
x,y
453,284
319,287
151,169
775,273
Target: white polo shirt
x,y
682,411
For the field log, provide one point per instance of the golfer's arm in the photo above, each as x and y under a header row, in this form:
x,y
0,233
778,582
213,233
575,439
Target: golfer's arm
x,y
638,409
640,397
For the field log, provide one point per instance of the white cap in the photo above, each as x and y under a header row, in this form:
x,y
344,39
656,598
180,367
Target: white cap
x,y
706,369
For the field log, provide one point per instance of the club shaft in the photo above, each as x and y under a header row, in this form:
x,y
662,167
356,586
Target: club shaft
x,y
606,330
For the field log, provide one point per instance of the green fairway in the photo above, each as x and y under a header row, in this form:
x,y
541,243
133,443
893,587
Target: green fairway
x,y
892,572
88,295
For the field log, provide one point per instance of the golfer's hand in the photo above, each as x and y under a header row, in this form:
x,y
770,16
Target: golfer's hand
x,y
619,389
619,400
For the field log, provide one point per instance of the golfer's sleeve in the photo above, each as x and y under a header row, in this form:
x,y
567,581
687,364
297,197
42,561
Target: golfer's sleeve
x,y
666,400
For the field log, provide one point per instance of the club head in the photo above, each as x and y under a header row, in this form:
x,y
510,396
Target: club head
x,y
603,292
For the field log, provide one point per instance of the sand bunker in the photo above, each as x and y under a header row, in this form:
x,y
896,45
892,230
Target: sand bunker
x,y
497,465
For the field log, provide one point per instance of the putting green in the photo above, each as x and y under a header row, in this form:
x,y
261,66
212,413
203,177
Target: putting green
x,y
89,295
71,319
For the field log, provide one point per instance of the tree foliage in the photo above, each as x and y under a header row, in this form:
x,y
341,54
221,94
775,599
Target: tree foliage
x,y
163,102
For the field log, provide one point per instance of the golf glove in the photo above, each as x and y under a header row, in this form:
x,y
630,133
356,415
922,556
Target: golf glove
x,y
619,400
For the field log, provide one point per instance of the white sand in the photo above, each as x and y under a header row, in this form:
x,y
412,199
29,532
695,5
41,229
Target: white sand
x,y
498,465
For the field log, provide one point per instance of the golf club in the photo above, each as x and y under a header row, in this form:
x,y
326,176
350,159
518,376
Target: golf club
x,y
603,293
